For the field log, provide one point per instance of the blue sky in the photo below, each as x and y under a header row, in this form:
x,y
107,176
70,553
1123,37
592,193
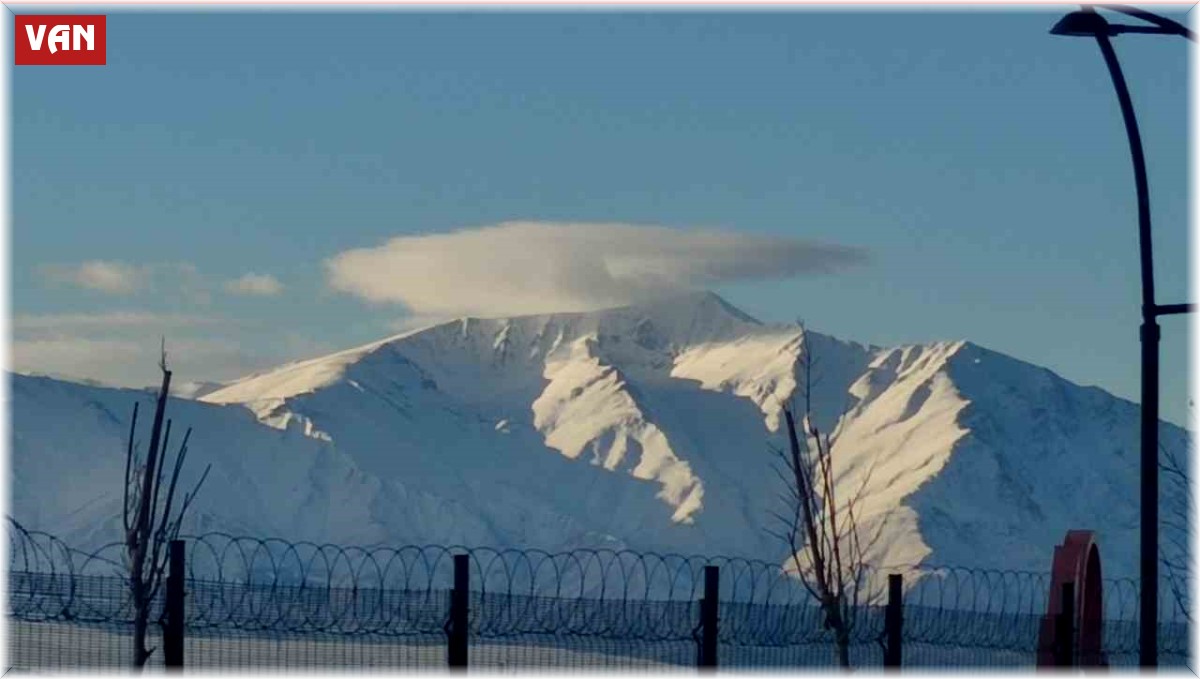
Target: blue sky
x,y
979,162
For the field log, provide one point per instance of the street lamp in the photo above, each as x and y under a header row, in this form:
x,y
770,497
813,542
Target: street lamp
x,y
1087,23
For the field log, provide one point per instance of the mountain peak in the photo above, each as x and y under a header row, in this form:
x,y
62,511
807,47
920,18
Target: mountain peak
x,y
646,424
695,303
669,323
686,304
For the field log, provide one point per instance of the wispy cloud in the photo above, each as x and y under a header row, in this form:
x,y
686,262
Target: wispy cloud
x,y
112,278
174,282
122,347
538,267
131,361
263,285
108,320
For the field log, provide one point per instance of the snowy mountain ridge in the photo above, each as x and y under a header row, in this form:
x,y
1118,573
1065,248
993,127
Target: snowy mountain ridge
x,y
644,427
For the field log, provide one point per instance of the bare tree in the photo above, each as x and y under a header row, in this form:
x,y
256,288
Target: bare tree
x,y
1176,516
151,520
819,528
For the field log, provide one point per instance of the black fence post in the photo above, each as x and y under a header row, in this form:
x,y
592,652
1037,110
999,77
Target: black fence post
x,y
708,617
1064,637
457,627
173,629
894,622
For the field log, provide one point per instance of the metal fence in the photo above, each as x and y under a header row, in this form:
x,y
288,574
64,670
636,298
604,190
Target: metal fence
x,y
269,604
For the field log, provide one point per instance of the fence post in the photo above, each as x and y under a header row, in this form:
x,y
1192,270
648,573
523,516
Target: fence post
x,y
173,629
894,621
457,628
708,617
1064,636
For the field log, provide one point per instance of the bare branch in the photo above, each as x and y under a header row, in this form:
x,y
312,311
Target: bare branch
x,y
128,467
829,562
149,524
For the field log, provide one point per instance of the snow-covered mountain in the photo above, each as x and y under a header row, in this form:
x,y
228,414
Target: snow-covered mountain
x,y
644,427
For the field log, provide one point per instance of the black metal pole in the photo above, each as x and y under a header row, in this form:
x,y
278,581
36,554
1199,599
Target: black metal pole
x,y
456,651
173,631
894,621
1148,610
708,617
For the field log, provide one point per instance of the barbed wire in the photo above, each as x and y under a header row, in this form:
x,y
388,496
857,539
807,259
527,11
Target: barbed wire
x,y
272,585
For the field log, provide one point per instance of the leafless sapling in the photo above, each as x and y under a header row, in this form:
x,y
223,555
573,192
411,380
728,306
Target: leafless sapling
x,y
151,518
819,528
1177,507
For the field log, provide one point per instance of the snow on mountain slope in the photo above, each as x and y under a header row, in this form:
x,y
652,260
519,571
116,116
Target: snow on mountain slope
x,y
899,433
1048,453
68,461
644,427
264,481
587,404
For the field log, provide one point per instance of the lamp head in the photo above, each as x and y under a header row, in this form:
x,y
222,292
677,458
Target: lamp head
x,y
1081,24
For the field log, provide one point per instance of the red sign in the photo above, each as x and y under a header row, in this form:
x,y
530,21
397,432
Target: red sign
x,y
60,40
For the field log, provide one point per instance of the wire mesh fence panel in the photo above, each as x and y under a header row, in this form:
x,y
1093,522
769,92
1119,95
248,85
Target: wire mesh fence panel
x,y
521,631
302,626
63,621
925,656
72,646
781,636
268,605
566,653
241,651
820,655
49,646
1121,644
1174,645
941,627
941,637
1173,660
946,638
65,597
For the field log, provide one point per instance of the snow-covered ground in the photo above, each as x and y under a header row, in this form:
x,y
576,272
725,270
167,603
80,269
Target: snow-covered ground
x,y
642,427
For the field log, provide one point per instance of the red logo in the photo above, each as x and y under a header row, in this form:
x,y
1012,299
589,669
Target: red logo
x,y
60,40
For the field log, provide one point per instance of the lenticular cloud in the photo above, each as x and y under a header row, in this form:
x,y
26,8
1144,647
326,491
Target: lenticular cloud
x,y
540,267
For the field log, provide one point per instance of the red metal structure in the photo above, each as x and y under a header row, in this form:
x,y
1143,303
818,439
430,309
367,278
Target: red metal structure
x,y
1076,561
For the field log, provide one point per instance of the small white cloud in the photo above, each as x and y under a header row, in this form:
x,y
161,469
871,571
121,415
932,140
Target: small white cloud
x,y
172,282
537,267
264,285
113,278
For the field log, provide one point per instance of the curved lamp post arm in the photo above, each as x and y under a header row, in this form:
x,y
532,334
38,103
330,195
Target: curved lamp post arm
x,y
1164,24
1145,244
